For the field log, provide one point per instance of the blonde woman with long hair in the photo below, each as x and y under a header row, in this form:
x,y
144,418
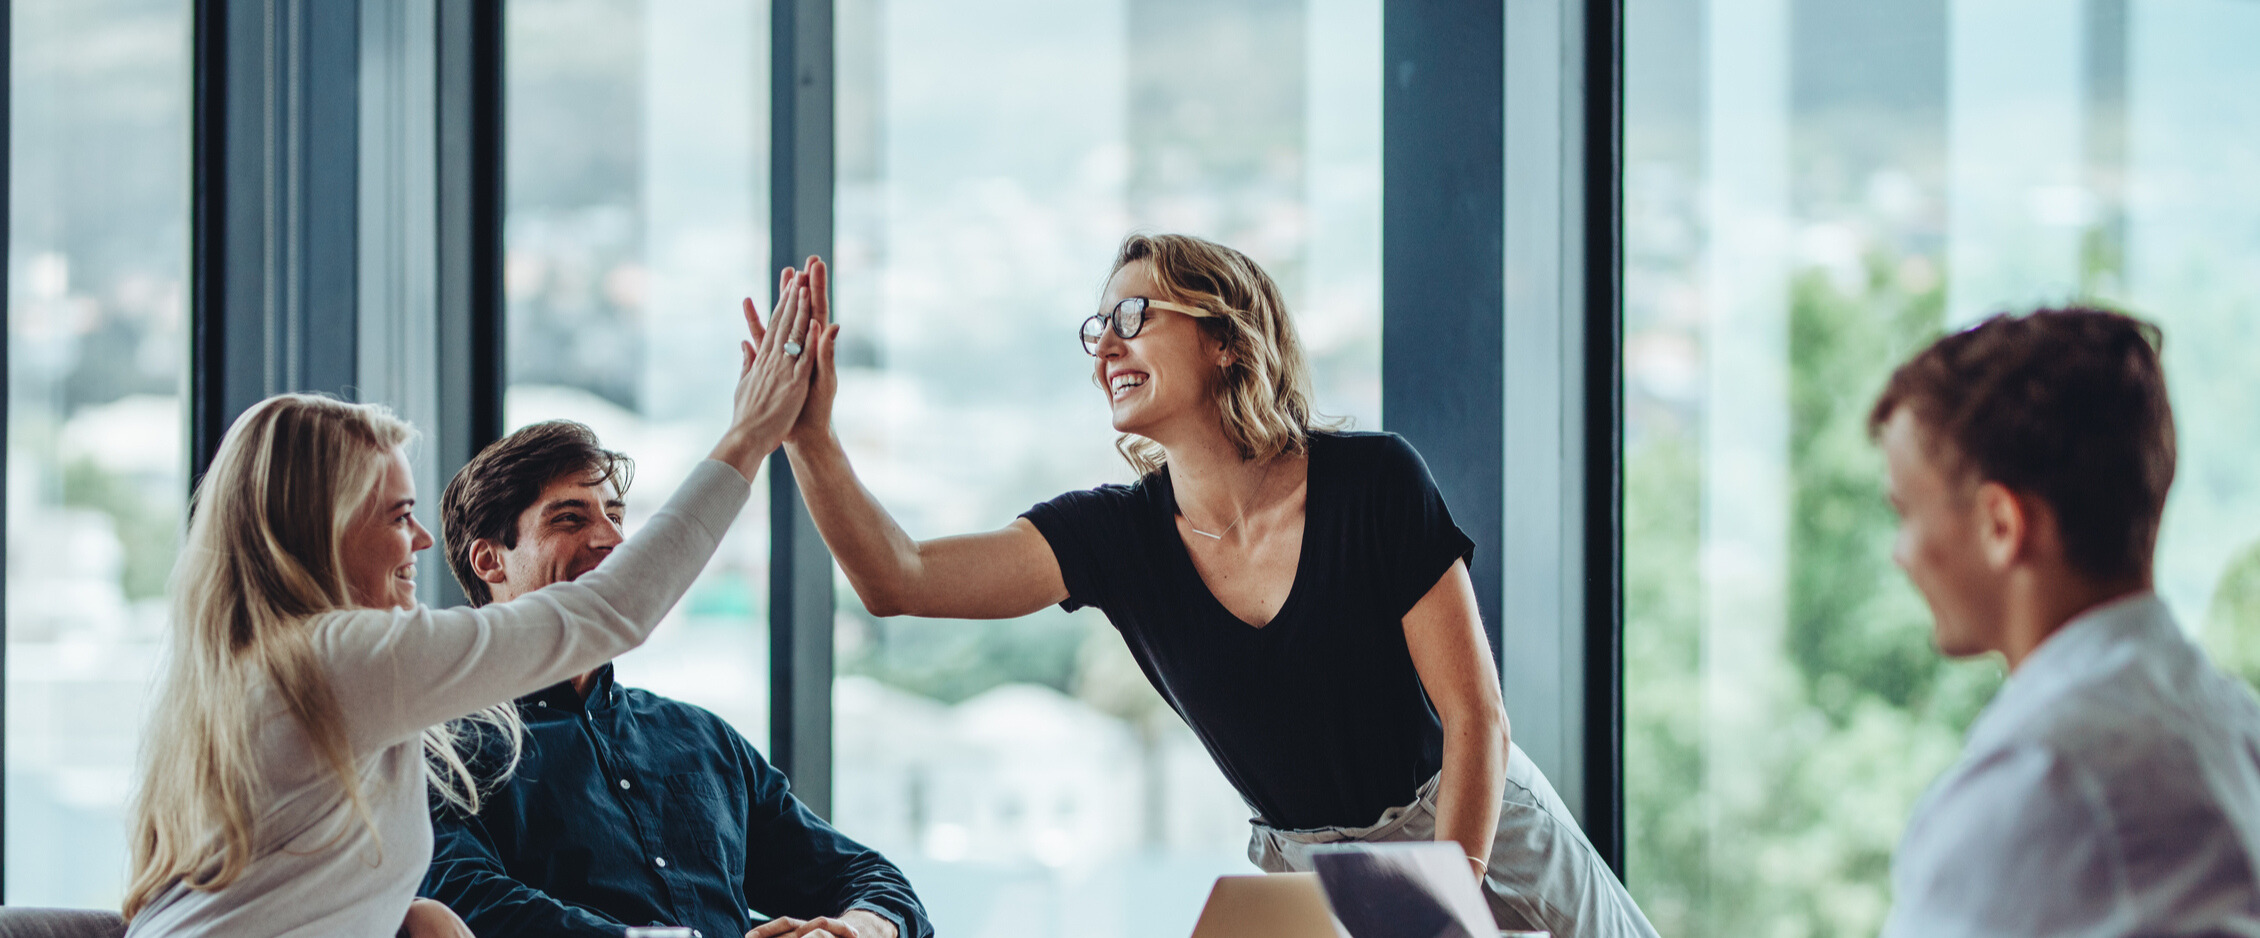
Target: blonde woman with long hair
x,y
1298,594
284,778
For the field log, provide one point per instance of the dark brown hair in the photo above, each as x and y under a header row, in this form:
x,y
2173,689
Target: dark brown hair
x,y
503,480
2068,405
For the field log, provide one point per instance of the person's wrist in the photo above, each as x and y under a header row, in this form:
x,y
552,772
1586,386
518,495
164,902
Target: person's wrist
x,y
743,450
803,438
870,923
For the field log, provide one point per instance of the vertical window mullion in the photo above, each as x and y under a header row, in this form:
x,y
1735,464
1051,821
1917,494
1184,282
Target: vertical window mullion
x,y
7,124
1600,230
470,142
276,207
800,568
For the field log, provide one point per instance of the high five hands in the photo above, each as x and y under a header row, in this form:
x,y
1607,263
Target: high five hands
x,y
786,384
814,280
775,371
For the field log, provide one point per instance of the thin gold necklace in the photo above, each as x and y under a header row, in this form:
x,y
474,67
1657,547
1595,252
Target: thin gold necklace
x,y
1243,512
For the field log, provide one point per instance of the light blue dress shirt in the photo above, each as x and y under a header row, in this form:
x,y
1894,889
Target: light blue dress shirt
x,y
2112,788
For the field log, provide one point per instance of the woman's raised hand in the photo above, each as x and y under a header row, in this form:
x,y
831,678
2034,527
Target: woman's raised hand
x,y
815,418
773,377
816,415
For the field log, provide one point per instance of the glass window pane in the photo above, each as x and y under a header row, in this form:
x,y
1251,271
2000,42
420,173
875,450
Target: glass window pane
x,y
1814,189
637,216
1023,772
97,301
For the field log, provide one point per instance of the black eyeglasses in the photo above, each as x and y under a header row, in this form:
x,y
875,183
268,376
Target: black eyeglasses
x,y
1128,318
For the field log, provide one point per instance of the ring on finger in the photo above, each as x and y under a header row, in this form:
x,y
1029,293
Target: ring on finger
x,y
793,348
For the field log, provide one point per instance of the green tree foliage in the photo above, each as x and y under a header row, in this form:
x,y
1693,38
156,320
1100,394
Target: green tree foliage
x,y
951,660
1868,713
2232,625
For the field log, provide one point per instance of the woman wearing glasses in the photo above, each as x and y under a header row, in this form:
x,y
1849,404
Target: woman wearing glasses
x,y
1300,596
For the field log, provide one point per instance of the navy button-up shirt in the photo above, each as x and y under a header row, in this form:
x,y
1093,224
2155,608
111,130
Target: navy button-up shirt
x,y
632,809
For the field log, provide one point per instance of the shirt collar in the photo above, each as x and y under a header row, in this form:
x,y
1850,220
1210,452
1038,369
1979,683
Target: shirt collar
x,y
2077,647
603,694
2136,616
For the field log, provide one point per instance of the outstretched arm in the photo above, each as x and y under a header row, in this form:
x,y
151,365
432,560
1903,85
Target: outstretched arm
x,y
403,671
996,575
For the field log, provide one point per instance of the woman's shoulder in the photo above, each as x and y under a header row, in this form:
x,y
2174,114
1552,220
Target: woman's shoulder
x,y
1379,454
1110,494
360,631
1108,502
1085,527
362,648
353,632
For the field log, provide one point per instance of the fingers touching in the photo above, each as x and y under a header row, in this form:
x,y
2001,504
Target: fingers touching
x,y
752,320
774,927
825,340
786,927
817,281
780,318
820,287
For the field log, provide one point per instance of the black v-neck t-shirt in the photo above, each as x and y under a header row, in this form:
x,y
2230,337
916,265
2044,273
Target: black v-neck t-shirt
x,y
1318,717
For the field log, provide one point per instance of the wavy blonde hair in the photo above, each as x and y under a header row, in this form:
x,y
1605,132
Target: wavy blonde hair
x,y
262,561
1264,393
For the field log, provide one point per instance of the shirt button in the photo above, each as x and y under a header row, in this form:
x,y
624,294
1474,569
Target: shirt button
x,y
661,862
623,784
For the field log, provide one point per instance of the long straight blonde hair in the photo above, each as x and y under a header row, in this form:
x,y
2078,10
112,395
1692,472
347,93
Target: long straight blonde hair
x,y
262,561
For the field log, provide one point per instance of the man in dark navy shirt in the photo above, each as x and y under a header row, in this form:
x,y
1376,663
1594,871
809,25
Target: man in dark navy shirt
x,y
626,808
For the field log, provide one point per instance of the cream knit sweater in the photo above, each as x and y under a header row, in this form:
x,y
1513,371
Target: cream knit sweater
x,y
318,870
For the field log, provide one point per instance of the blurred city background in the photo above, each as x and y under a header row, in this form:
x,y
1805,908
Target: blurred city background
x,y
1812,189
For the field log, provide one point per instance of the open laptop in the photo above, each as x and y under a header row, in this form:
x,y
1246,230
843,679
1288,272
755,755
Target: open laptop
x,y
1421,889
1281,905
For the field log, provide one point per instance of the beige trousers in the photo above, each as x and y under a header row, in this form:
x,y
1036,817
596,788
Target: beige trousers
x,y
1543,874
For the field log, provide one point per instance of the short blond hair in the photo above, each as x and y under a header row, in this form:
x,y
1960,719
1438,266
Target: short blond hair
x,y
1264,393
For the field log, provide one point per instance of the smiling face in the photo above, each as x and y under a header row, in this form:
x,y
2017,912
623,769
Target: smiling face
x,y
570,529
1949,540
1166,374
379,550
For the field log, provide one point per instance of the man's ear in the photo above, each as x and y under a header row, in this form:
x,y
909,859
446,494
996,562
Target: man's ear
x,y
486,561
2005,525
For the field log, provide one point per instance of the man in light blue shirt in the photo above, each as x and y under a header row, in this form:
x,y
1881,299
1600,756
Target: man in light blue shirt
x,y
2112,788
